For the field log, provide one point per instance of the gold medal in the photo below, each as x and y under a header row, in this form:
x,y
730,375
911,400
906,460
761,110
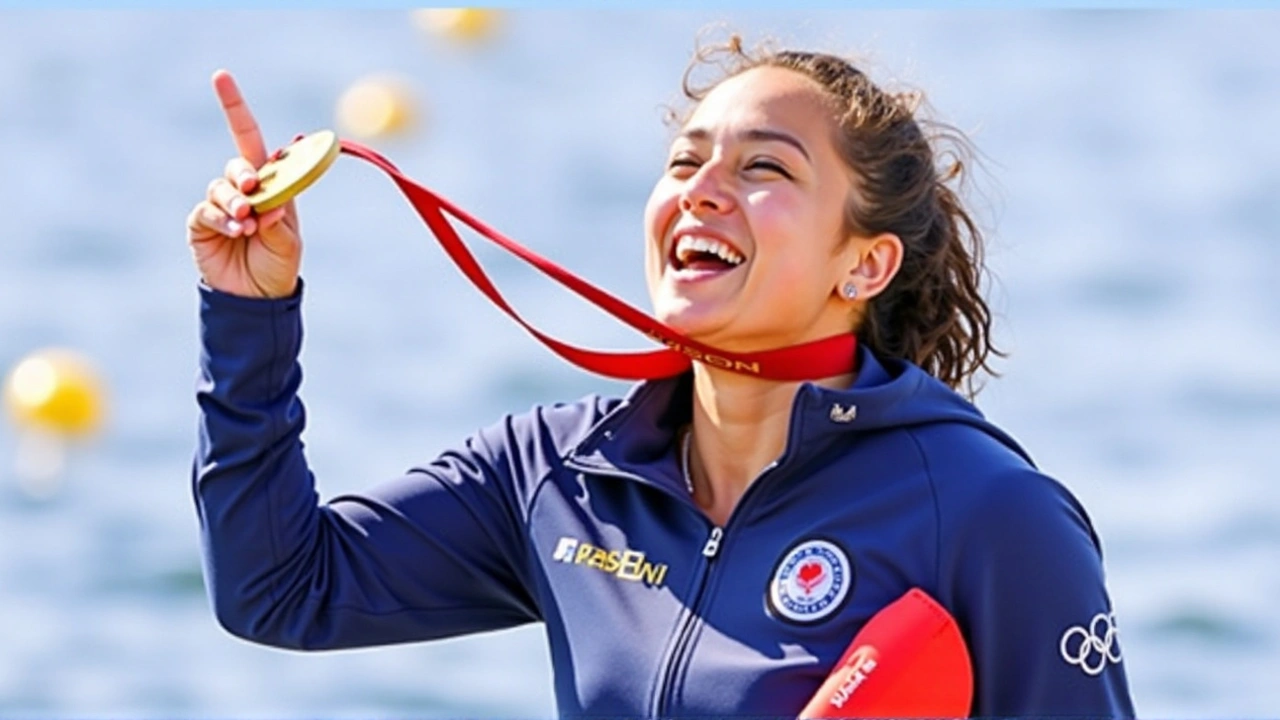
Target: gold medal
x,y
294,169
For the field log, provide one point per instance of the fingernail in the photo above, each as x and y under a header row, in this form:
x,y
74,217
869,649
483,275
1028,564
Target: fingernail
x,y
235,227
245,179
235,206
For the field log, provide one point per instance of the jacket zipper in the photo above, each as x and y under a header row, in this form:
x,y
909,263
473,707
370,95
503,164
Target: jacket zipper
x,y
677,658
674,661
712,548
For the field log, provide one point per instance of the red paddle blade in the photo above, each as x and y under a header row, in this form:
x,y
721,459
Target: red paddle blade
x,y
909,661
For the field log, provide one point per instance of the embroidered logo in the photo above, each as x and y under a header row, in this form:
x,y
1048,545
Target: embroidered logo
x,y
1092,648
810,582
625,564
842,414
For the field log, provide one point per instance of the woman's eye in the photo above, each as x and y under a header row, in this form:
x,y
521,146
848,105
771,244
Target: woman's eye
x,y
768,166
682,162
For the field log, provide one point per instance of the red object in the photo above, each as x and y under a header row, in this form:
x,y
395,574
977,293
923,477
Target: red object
x,y
808,361
909,661
809,576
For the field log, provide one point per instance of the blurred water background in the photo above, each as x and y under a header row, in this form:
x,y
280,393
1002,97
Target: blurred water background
x,y
1131,187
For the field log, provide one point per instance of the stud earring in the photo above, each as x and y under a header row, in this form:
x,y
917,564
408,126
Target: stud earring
x,y
850,291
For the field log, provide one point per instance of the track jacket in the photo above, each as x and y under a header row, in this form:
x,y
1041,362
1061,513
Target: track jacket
x,y
577,516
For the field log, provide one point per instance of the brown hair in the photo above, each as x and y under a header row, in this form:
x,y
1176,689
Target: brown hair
x,y
932,312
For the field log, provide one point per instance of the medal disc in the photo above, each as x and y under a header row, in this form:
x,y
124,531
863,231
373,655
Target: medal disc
x,y
294,169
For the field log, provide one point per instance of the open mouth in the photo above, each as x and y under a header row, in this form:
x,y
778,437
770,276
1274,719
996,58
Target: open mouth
x,y
700,253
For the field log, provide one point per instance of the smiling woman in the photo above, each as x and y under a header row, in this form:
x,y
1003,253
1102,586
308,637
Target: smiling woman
x,y
879,170
708,544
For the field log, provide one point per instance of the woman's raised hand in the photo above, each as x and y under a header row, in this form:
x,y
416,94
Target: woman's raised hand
x,y
237,251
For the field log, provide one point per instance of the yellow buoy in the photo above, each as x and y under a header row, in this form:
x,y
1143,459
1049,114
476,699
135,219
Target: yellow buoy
x,y
377,106
55,391
465,24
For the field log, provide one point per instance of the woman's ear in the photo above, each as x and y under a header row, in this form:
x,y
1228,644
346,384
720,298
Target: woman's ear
x,y
875,261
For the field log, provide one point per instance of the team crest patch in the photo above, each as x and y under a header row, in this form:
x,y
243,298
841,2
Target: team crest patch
x,y
810,582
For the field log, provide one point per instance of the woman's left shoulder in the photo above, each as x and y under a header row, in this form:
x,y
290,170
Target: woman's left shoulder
x,y
986,484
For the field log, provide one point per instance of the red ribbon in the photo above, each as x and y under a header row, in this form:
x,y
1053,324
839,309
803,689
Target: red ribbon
x,y
807,361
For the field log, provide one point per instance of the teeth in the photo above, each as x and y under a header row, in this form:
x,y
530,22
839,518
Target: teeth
x,y
689,244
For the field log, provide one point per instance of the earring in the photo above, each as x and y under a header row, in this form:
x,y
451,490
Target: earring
x,y
850,291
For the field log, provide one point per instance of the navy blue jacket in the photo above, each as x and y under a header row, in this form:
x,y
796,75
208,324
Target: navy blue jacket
x,y
576,516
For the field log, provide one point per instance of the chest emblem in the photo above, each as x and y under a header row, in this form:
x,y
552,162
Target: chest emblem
x,y
810,582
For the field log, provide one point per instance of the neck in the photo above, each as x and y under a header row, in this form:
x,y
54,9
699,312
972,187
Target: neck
x,y
739,426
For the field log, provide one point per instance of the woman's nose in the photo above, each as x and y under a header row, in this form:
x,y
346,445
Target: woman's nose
x,y
705,190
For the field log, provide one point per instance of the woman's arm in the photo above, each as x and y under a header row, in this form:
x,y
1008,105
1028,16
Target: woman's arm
x,y
1022,571
434,553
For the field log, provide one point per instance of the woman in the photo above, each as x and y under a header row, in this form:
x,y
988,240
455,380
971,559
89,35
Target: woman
x,y
710,543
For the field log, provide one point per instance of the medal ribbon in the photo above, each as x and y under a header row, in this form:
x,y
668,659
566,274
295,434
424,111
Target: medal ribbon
x,y
807,361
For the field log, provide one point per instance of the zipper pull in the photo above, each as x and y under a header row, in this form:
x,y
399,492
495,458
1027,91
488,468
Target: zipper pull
x,y
712,547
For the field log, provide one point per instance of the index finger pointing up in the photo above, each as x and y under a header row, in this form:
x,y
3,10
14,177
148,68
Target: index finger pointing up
x,y
244,129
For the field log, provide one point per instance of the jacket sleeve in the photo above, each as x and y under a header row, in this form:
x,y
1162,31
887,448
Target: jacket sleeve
x,y
437,552
1024,574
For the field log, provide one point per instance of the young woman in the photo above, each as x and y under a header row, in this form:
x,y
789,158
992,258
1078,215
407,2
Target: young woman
x,y
709,544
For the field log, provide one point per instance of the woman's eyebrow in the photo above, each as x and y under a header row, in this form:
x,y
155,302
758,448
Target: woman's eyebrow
x,y
755,134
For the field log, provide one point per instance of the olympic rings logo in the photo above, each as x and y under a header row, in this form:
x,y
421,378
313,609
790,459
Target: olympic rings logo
x,y
1097,641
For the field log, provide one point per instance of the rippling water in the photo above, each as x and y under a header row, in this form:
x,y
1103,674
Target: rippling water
x,y
1132,178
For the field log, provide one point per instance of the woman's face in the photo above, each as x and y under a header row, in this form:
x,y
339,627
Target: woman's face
x,y
744,246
